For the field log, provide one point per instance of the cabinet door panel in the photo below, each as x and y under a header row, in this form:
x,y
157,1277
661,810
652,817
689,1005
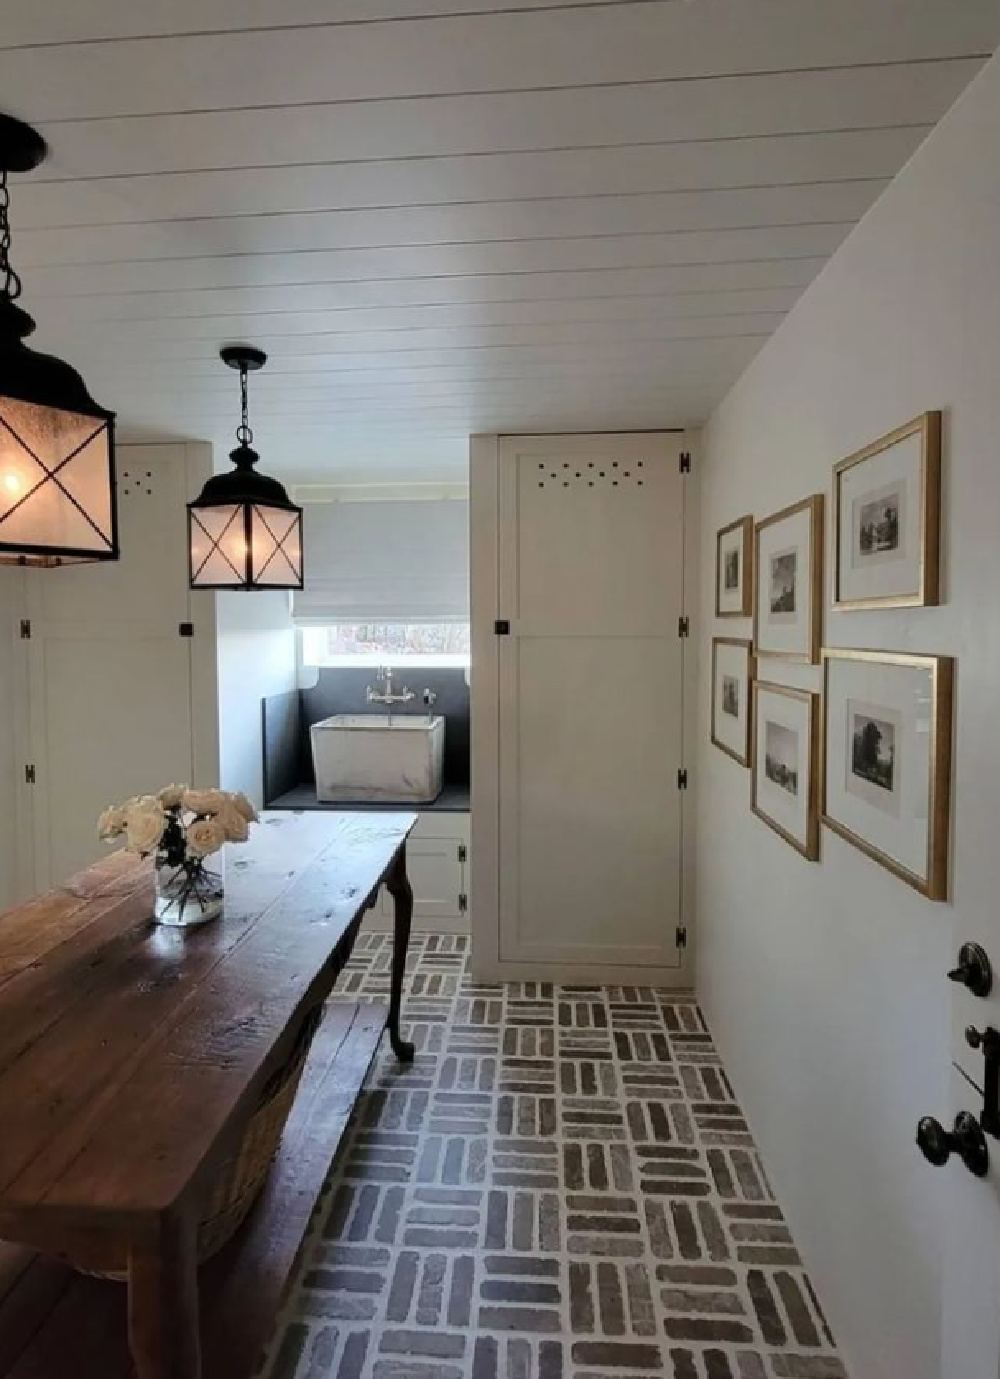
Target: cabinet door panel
x,y
590,560
111,718
437,862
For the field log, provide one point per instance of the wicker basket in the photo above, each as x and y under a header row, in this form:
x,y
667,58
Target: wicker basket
x,y
240,1177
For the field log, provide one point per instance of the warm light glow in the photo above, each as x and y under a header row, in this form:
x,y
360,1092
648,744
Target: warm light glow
x,y
56,491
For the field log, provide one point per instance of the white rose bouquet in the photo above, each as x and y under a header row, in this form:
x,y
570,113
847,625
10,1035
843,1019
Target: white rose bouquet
x,y
181,828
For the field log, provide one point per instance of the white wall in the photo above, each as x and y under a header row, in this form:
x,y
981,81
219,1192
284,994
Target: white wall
x,y
256,657
824,983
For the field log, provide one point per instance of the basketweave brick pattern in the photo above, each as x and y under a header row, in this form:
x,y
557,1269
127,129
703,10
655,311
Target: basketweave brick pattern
x,y
561,1186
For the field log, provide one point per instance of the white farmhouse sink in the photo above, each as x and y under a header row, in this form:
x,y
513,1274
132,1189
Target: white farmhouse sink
x,y
362,758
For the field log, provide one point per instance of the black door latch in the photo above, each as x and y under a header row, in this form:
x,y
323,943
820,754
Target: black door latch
x,y
988,1040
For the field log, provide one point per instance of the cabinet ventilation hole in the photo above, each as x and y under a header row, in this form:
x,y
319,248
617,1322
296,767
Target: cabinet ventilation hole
x,y
614,475
131,483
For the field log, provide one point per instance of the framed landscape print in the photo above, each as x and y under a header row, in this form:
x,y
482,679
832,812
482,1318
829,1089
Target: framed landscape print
x,y
732,674
734,570
788,582
888,760
887,519
785,778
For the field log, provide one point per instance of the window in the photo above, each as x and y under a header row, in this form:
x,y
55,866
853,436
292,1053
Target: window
x,y
373,643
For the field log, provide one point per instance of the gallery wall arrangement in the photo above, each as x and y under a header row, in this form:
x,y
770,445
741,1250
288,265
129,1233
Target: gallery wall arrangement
x,y
871,756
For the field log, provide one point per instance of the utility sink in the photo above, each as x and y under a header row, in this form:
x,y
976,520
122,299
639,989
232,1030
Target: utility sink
x,y
366,758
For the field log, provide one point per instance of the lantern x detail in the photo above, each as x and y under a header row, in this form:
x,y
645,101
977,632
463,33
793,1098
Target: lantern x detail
x,y
279,543
215,544
53,475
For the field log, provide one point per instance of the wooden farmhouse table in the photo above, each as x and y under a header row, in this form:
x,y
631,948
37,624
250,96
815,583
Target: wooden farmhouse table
x,y
132,1055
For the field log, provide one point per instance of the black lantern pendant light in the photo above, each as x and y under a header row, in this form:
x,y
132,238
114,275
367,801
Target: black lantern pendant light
x,y
244,531
57,446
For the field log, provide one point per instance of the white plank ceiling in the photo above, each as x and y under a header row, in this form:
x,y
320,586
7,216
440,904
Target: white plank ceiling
x,y
447,216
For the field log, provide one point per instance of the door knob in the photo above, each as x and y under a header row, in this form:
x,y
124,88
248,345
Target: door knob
x,y
974,970
966,1140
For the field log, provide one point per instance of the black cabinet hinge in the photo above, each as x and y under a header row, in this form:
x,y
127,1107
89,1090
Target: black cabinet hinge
x,y
25,629
186,629
463,903
682,778
29,774
685,465
681,936
683,627
502,627
463,852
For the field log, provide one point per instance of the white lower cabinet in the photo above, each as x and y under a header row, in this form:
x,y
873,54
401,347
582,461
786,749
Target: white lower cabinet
x,y
437,857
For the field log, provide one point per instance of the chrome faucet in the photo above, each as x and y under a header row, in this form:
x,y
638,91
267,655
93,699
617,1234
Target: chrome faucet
x,y
386,696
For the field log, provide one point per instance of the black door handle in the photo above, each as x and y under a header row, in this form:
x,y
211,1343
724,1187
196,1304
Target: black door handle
x,y
988,1040
966,1140
973,970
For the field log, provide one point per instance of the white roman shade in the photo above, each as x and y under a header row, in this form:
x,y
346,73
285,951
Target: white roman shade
x,y
386,561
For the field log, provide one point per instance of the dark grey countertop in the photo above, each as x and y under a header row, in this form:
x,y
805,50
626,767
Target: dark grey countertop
x,y
453,799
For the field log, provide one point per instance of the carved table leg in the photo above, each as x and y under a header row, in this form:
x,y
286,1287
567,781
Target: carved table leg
x,y
397,883
163,1301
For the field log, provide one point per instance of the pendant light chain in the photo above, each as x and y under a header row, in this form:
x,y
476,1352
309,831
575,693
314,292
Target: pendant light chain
x,y
243,433
12,282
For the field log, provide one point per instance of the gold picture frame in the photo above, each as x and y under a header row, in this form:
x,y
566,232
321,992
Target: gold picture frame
x,y
811,641
808,843
927,560
743,525
934,883
746,734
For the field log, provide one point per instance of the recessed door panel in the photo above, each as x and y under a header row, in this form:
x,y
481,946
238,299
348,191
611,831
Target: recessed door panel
x,y
591,675
113,719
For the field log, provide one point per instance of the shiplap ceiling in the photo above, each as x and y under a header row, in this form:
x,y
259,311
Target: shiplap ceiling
x,y
446,216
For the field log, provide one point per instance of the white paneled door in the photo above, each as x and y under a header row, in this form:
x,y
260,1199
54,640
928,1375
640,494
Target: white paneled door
x,y
112,668
590,685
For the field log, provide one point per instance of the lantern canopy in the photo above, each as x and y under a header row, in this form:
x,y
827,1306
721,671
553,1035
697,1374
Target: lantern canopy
x,y
57,450
244,532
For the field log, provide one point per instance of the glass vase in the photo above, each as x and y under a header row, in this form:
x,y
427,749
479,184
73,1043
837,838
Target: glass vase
x,y
189,894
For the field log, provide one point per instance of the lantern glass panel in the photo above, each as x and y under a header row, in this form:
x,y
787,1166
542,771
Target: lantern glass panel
x,y
276,545
218,546
56,484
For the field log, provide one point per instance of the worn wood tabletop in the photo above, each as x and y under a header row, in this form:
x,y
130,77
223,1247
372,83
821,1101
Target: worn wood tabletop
x,y
131,1054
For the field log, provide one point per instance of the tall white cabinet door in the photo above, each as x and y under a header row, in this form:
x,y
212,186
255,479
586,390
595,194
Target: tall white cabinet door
x,y
109,675
590,715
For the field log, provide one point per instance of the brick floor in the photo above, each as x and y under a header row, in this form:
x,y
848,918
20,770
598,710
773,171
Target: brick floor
x,y
562,1185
